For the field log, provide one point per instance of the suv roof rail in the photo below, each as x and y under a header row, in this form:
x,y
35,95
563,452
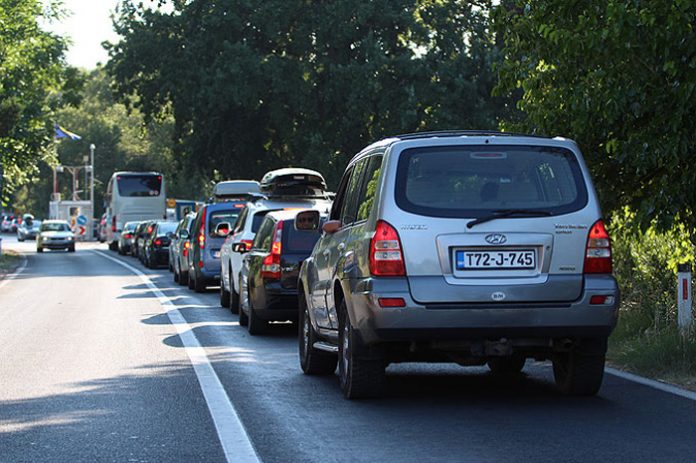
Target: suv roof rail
x,y
460,133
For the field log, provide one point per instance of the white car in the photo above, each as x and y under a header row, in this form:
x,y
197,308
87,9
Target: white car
x,y
55,234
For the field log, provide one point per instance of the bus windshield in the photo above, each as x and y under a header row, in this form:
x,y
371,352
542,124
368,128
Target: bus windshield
x,y
139,185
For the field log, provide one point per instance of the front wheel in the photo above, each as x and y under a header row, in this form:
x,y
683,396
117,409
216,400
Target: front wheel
x,y
580,372
312,361
361,374
39,249
71,248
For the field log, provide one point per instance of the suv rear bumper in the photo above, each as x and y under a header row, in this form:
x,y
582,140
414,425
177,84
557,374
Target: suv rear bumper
x,y
418,322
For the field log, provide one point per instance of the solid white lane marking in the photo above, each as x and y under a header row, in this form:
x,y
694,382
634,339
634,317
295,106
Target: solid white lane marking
x,y
233,437
16,273
664,387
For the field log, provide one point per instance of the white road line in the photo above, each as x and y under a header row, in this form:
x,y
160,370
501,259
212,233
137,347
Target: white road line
x,y
233,437
652,383
14,274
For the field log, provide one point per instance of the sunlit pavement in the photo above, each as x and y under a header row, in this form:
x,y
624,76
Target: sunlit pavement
x,y
93,369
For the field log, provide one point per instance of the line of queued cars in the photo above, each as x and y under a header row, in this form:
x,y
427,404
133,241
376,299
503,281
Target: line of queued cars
x,y
480,248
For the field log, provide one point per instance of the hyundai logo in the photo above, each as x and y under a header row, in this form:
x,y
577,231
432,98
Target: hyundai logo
x,y
496,238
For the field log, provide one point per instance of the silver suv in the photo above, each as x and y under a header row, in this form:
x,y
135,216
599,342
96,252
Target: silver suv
x,y
472,247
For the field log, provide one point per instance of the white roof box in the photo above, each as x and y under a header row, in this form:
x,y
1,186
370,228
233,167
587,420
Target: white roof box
x,y
236,189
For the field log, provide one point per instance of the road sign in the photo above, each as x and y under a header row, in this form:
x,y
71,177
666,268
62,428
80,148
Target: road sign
x,y
82,219
81,230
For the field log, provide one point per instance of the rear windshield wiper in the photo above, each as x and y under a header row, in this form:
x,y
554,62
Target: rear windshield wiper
x,y
503,213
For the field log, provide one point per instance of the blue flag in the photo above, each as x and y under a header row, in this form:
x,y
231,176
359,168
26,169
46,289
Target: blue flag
x,y
62,133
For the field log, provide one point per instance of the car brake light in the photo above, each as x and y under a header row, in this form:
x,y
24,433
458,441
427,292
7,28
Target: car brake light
x,y
247,243
386,258
598,250
187,245
158,242
270,267
201,231
127,236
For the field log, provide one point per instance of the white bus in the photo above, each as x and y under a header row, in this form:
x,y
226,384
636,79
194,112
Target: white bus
x,y
133,196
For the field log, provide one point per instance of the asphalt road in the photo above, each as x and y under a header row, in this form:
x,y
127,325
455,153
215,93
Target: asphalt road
x,y
96,366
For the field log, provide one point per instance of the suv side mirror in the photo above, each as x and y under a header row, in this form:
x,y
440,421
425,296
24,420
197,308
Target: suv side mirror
x,y
184,234
307,220
331,226
240,248
223,229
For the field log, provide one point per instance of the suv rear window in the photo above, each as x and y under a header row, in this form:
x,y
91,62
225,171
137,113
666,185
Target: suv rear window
x,y
299,240
217,217
473,181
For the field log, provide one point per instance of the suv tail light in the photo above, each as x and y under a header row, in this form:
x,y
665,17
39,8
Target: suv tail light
x,y
201,231
598,250
113,224
386,257
270,267
127,236
247,243
158,242
187,245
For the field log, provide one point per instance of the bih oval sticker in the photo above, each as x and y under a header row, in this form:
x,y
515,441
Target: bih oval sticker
x,y
498,296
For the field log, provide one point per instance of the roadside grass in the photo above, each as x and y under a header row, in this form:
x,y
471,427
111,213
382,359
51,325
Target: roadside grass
x,y
647,340
8,261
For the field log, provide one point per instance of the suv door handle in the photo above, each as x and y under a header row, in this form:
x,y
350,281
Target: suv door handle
x,y
341,246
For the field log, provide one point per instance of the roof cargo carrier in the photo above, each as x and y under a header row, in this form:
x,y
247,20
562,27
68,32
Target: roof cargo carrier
x,y
236,189
293,182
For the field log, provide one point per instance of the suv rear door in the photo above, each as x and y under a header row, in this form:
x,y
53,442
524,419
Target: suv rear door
x,y
532,256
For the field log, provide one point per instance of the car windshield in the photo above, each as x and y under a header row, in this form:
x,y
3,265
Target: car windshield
x,y
55,226
475,181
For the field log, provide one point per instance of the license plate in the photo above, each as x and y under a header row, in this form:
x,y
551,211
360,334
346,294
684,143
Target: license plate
x,y
496,260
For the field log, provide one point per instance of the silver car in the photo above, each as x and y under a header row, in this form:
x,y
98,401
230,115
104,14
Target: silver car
x,y
28,229
471,247
55,234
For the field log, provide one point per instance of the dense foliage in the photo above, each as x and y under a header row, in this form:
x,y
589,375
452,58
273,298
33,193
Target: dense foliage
x,y
619,76
34,81
256,85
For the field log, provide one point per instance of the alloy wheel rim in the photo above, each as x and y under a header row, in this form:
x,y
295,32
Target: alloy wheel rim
x,y
305,330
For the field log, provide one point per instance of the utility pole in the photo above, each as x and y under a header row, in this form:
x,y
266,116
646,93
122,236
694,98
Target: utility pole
x,y
91,185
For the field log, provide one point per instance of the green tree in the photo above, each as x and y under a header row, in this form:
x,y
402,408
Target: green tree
x,y
34,82
258,85
620,78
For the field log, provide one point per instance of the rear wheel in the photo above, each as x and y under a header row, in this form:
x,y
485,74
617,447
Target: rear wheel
x,y
234,297
113,246
361,375
189,281
312,361
176,276
507,366
255,324
224,295
198,283
39,249
71,248
243,319
580,372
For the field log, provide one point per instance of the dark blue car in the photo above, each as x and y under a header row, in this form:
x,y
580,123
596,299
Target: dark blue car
x,y
206,241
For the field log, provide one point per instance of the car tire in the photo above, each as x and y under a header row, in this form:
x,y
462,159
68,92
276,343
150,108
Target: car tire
x,y
198,283
224,296
39,249
361,374
580,372
176,276
21,240
507,366
189,281
255,324
113,246
243,318
312,361
183,278
120,251
71,248
234,298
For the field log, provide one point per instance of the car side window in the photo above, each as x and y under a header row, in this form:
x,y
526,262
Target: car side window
x,y
239,225
263,238
368,189
350,200
340,195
